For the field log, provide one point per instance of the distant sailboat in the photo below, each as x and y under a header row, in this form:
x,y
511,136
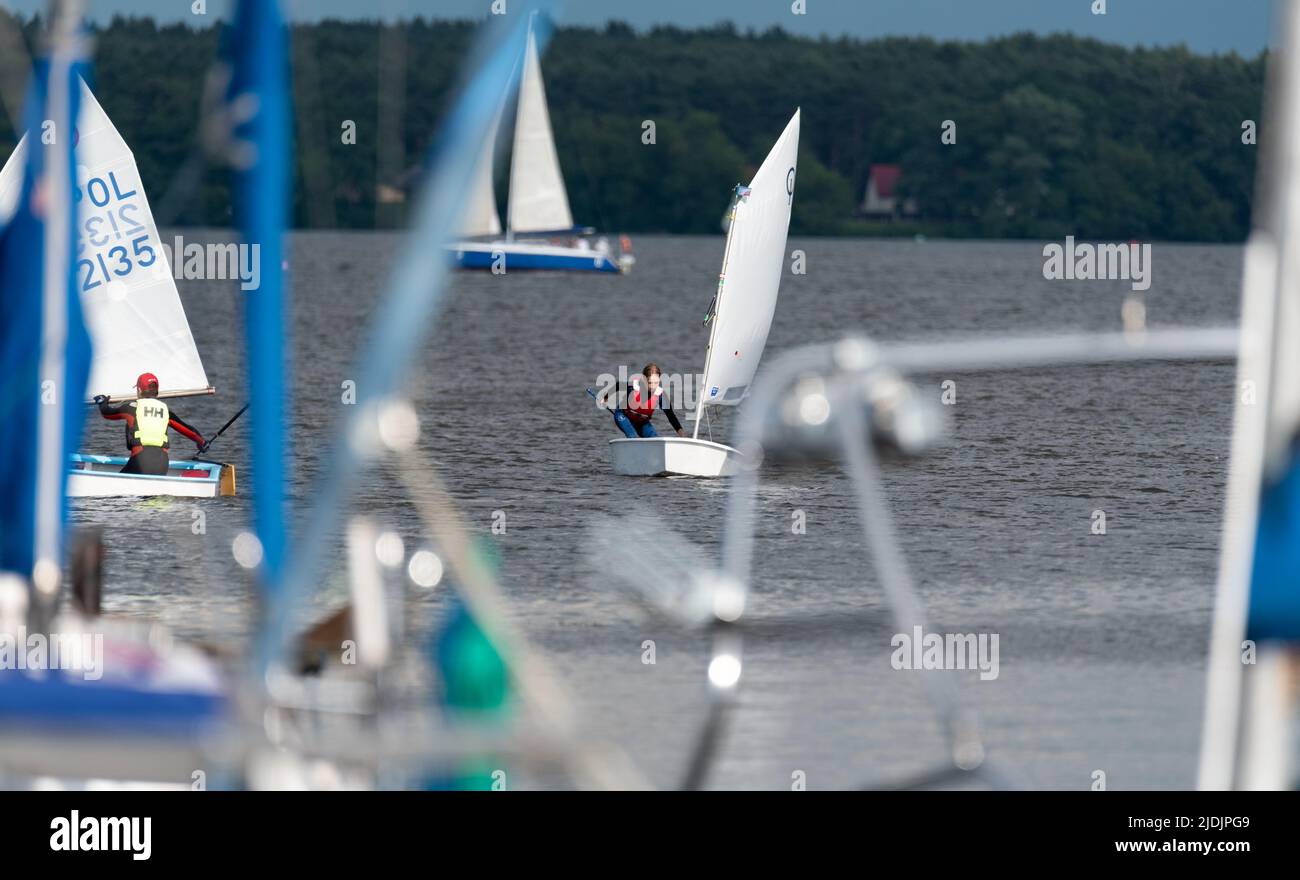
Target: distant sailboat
x,y
746,301
133,310
538,206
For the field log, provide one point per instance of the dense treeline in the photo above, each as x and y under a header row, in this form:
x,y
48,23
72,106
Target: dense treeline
x,y
1055,135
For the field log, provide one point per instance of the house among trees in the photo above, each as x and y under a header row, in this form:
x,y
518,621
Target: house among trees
x,y
881,199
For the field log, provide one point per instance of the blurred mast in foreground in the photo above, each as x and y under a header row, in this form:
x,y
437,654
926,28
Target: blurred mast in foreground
x,y
1251,698
44,346
258,149
384,424
404,315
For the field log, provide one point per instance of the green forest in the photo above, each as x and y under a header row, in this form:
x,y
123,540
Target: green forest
x,y
1055,135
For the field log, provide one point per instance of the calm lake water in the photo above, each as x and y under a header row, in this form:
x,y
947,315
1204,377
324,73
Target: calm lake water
x,y
1102,637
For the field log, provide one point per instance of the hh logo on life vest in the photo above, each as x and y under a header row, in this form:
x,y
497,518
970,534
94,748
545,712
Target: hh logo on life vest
x,y
152,412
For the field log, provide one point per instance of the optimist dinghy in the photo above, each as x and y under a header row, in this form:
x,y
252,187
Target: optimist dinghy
x,y
752,263
128,295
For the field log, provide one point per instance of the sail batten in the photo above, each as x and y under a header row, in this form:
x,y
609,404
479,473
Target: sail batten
x,y
538,201
751,274
128,291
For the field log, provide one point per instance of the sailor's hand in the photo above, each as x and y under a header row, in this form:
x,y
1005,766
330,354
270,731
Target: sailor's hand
x,y
101,399
202,445
681,433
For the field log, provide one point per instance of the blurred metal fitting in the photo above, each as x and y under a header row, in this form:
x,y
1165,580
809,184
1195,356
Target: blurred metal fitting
x,y
900,418
13,602
87,570
855,354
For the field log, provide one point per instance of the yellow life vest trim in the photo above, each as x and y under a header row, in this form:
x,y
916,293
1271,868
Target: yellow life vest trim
x,y
151,420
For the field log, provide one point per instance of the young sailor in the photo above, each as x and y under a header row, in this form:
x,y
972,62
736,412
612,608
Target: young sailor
x,y
644,395
147,420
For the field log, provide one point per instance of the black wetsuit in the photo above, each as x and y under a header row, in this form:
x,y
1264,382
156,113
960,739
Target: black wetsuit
x,y
151,460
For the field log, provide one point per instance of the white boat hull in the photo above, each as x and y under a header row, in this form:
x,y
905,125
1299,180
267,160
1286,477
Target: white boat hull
x,y
685,456
99,476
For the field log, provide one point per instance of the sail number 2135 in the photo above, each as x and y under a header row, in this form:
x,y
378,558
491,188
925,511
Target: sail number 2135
x,y
110,224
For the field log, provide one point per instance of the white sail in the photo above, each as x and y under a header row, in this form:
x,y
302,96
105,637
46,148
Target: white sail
x,y
751,274
481,216
128,294
11,176
538,201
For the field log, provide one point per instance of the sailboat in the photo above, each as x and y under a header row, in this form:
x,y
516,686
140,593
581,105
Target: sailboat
x,y
538,208
132,307
743,307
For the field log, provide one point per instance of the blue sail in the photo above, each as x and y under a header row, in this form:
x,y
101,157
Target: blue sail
x,y
255,52
1275,576
44,345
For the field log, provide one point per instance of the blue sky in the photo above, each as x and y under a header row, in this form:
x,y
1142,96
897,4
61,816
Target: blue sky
x,y
1203,25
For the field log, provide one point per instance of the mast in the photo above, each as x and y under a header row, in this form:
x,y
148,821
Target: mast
x,y
717,307
514,154
1249,720
60,320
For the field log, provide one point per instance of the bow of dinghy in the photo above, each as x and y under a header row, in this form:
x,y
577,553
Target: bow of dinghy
x,y
668,456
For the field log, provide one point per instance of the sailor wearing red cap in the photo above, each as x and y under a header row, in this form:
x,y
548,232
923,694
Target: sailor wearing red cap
x,y
147,420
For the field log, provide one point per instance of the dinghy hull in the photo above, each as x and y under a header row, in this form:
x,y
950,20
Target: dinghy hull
x,y
668,456
99,476
524,256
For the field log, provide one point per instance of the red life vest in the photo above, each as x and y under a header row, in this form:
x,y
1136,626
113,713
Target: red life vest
x,y
640,402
